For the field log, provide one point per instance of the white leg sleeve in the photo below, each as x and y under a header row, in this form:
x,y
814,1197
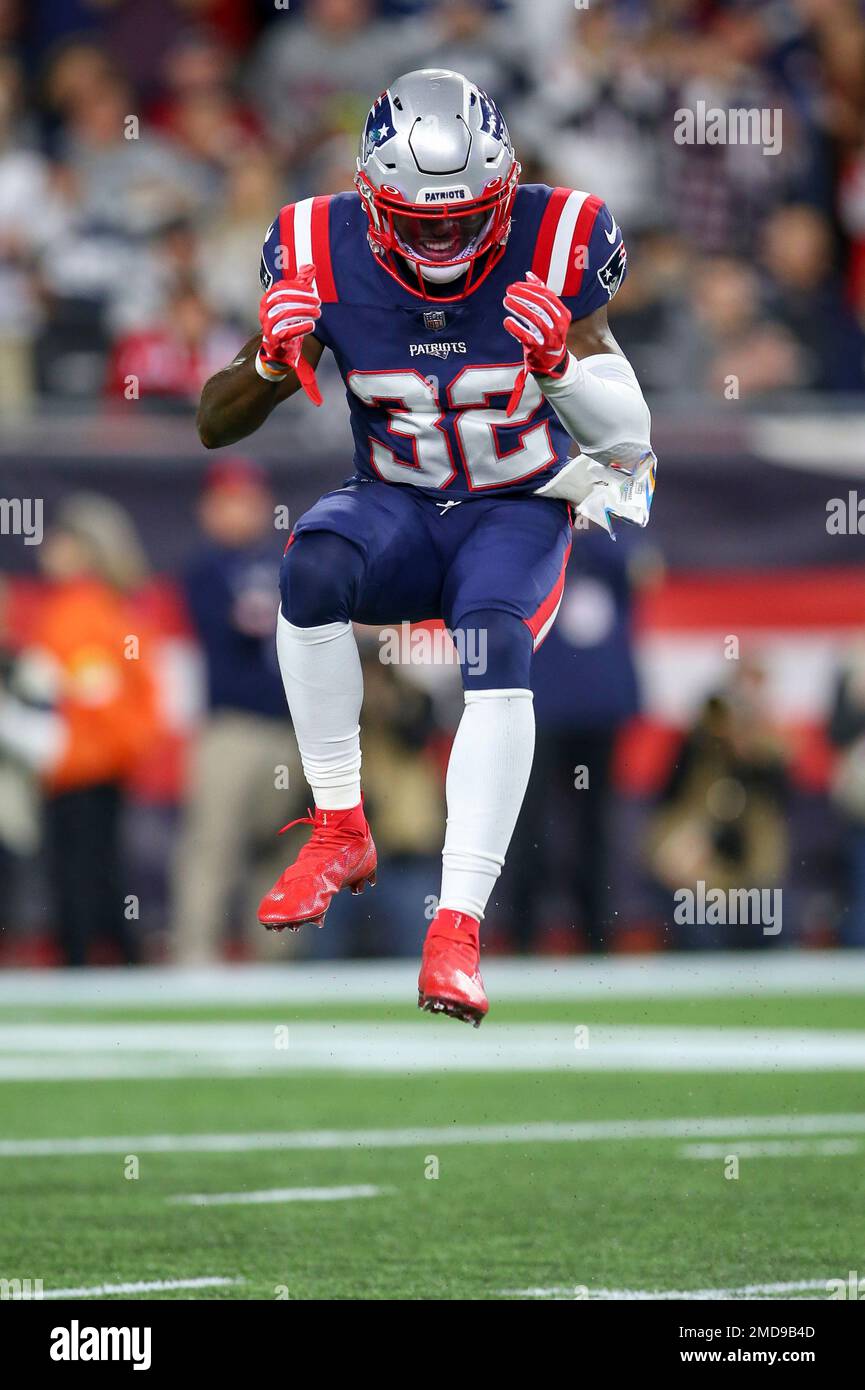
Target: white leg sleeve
x,y
488,773
321,674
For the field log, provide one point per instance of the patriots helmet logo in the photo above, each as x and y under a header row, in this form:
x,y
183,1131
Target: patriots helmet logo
x,y
379,126
492,121
264,274
612,272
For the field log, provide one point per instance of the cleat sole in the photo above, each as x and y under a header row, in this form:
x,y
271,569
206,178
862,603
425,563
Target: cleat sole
x,y
294,926
361,883
436,1004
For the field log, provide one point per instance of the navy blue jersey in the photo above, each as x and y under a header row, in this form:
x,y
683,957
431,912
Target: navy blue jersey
x,y
427,384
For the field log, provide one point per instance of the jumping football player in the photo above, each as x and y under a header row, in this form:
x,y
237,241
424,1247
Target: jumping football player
x,y
468,318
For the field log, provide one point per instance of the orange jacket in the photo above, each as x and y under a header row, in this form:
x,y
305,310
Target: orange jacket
x,y
102,664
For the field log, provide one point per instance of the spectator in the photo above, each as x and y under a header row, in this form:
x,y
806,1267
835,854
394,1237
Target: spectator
x,y
123,179
717,194
170,362
476,37
82,712
169,263
651,312
847,733
806,296
722,817
245,780
585,687
200,110
19,789
316,72
25,184
405,791
851,208
729,344
593,117
230,243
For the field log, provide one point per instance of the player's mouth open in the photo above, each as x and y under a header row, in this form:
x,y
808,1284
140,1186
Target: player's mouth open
x,y
438,239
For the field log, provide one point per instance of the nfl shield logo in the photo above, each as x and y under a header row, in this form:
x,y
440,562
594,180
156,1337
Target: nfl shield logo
x,y
434,320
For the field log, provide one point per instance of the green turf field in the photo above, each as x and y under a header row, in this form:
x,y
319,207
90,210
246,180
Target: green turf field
x,y
580,1144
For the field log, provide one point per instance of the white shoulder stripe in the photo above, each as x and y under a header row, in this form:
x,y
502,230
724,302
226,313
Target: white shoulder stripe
x,y
560,254
303,232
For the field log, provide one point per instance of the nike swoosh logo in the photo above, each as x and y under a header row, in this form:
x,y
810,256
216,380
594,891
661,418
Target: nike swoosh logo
x,y
611,236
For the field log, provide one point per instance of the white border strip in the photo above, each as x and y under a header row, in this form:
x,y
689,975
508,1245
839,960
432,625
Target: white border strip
x,y
774,1148
278,1194
581,1132
551,978
142,1286
561,1291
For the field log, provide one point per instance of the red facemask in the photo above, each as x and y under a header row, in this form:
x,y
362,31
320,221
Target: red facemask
x,y
407,237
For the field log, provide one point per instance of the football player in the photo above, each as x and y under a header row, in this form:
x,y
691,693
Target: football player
x,y
468,317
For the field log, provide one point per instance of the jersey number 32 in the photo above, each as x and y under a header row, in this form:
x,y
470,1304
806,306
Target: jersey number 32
x,y
415,417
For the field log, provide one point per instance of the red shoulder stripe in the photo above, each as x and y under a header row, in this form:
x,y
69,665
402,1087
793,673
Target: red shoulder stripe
x,y
320,238
287,257
580,243
547,232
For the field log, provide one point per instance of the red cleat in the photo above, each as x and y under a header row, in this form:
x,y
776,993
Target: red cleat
x,y
338,854
450,976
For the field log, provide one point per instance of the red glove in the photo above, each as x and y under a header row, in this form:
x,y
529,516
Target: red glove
x,y
539,320
287,312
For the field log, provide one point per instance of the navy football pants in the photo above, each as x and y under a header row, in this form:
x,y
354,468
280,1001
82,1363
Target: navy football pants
x,y
380,554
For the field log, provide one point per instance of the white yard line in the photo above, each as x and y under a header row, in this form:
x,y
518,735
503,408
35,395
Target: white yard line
x,y
278,1194
579,1132
141,1286
563,1291
774,1148
659,976
105,1051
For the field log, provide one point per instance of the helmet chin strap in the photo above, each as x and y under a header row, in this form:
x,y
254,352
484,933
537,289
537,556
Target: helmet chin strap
x,y
444,274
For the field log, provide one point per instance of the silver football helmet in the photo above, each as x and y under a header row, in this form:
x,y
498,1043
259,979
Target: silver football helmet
x,y
437,176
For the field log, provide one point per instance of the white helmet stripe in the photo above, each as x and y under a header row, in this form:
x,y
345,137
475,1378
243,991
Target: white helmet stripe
x,y
559,256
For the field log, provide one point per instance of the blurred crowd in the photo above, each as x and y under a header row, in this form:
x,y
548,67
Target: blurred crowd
x,y
144,149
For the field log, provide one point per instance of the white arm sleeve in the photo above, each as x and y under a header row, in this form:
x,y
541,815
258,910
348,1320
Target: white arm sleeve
x,y
599,402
